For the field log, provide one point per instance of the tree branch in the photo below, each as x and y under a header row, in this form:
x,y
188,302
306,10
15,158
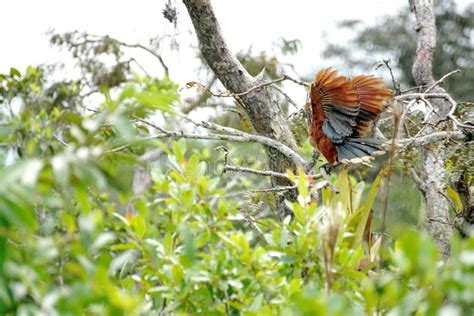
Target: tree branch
x,y
266,173
241,138
260,105
433,138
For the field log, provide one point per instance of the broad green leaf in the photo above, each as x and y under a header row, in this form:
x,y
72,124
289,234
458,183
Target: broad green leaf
x,y
157,100
16,208
14,72
257,303
168,243
127,92
358,220
178,151
454,196
303,196
138,225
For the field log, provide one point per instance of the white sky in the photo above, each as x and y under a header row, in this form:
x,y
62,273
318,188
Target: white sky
x,y
259,23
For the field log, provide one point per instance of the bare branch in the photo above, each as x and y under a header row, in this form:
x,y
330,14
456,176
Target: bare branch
x,y
433,138
147,122
269,190
440,81
396,84
282,148
241,138
150,51
424,95
300,82
266,173
417,179
230,94
312,161
259,104
287,97
446,96
202,98
92,38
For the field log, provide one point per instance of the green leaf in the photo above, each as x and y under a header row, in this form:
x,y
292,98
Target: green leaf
x,y
168,243
454,196
257,303
16,208
302,184
157,100
177,273
120,261
299,213
138,226
178,150
358,220
345,190
15,72
127,92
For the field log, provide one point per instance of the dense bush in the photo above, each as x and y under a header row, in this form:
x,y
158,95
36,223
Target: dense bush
x,y
74,239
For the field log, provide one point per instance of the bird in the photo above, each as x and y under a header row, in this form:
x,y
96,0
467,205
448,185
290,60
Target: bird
x,y
342,112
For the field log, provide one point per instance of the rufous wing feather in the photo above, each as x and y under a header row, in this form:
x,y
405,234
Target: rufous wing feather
x,y
342,112
335,101
371,96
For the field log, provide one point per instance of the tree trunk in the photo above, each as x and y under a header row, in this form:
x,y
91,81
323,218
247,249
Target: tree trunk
x,y
434,155
260,105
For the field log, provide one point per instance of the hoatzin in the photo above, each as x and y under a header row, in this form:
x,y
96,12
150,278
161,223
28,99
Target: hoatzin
x,y
342,113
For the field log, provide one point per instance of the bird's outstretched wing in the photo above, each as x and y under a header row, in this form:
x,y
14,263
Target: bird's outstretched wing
x,y
371,96
348,105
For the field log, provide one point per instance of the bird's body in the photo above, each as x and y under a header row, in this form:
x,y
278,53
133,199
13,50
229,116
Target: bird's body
x,y
342,113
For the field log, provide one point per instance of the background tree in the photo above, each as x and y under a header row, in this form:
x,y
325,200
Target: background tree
x,y
453,50
393,37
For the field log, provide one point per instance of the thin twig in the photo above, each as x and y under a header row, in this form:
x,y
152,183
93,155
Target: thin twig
x,y
259,86
201,99
99,39
269,190
396,84
288,98
285,150
147,122
150,51
440,81
424,95
267,173
403,116
300,82
62,142
433,138
417,179
446,96
313,159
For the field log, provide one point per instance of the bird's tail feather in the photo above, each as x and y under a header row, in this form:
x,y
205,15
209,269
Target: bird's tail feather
x,y
355,150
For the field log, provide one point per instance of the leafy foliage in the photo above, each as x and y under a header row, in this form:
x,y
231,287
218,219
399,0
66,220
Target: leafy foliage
x,y
75,240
